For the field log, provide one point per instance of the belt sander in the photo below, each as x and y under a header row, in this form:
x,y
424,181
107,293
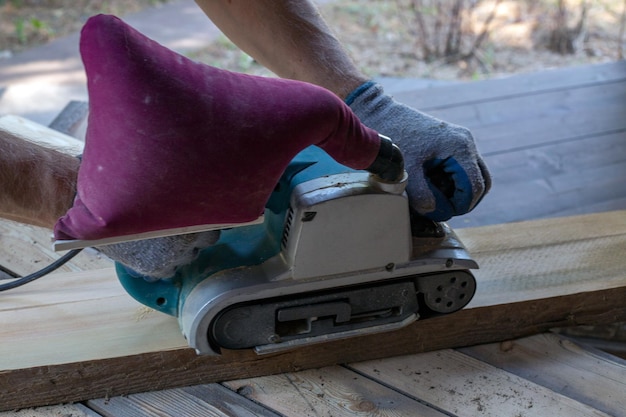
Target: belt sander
x,y
318,241
337,255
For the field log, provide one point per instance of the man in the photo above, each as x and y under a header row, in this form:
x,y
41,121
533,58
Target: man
x,y
291,39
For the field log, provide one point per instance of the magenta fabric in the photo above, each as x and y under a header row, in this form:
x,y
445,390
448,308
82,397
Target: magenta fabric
x,y
174,143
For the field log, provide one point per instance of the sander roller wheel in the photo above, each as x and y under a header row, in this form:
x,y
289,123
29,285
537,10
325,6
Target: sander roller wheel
x,y
448,292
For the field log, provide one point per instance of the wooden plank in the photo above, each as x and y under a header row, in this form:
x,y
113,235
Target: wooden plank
x,y
523,122
554,100
600,206
34,132
87,345
211,400
79,322
554,196
552,257
591,377
548,232
564,158
561,179
332,392
63,410
463,94
609,338
25,249
576,238
463,386
72,120
95,378
540,127
574,374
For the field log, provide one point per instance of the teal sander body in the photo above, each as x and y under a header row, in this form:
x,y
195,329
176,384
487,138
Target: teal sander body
x,y
338,254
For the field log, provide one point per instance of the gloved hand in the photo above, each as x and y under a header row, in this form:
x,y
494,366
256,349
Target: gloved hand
x,y
447,176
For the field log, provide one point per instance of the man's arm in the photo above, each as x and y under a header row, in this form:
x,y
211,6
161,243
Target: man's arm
x,y
288,37
38,183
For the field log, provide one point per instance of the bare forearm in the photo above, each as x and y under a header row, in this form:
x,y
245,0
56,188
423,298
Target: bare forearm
x,y
38,184
290,38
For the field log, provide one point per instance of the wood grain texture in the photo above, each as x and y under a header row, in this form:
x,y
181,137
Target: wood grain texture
x,y
210,400
88,339
62,410
542,258
533,84
589,376
463,386
25,249
536,375
25,129
329,392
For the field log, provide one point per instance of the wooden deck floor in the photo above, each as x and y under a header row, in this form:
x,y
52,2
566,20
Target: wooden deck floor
x,y
556,145
537,376
555,141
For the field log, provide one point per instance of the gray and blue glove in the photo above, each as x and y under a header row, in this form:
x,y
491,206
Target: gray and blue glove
x,y
447,176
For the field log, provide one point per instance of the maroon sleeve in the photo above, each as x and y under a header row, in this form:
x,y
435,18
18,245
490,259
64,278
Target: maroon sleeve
x,y
174,143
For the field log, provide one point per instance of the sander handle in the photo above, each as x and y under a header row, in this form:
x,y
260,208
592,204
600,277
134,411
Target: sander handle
x,y
389,163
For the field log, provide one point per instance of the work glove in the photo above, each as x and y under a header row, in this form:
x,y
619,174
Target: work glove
x,y
447,176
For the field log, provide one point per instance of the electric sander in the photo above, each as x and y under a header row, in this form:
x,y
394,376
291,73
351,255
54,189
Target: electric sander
x,y
335,256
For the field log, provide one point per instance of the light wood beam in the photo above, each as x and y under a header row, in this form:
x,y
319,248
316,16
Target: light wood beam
x,y
76,336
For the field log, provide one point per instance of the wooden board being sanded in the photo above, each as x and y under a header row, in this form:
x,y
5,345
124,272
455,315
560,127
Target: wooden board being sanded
x,y
77,335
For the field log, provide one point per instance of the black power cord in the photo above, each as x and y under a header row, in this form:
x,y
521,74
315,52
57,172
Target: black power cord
x,y
43,271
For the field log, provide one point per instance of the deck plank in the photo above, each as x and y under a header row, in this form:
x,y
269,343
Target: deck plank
x,y
210,400
330,392
463,94
533,121
554,148
464,386
591,377
62,410
551,197
561,158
